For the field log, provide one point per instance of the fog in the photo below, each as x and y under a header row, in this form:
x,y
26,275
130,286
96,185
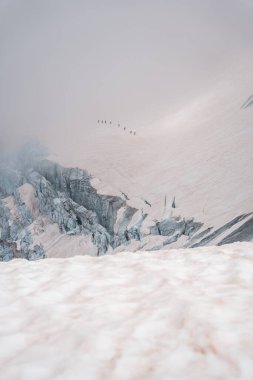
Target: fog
x,y
65,64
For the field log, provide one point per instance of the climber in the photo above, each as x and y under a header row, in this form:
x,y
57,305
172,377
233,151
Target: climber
x,y
147,203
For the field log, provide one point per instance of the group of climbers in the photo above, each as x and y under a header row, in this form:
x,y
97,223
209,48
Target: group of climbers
x,y
118,125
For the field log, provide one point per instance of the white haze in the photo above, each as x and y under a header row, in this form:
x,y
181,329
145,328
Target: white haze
x,y
65,64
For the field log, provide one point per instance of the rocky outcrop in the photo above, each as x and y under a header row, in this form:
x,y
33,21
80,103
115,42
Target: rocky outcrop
x,y
56,199
36,253
243,233
65,196
175,227
75,183
8,250
210,237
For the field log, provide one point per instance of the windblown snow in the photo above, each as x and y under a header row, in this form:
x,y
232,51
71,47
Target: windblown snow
x,y
177,314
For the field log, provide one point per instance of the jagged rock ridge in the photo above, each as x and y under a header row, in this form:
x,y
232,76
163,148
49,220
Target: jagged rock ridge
x,y
38,192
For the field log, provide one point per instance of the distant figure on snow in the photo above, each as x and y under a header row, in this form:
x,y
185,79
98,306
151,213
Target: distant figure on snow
x,y
147,203
174,203
124,128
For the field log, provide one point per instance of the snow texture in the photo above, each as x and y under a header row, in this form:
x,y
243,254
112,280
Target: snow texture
x,y
165,315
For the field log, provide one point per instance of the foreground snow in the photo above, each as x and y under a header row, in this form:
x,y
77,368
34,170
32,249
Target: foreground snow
x,y
179,314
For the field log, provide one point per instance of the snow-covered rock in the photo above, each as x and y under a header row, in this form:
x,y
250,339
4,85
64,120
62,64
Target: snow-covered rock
x,y
43,192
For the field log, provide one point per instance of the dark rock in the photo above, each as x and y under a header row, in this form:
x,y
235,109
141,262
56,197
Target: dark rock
x,y
37,253
75,183
169,227
8,251
191,227
219,231
197,237
243,233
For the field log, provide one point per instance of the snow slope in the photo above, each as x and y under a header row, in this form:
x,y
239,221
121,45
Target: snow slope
x,y
178,314
201,153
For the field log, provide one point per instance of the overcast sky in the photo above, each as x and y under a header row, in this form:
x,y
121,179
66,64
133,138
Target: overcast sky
x,y
65,64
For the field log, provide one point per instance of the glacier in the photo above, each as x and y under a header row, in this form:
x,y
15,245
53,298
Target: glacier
x,y
42,201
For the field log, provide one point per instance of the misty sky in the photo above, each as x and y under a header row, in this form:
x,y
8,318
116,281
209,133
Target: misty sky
x,y
64,64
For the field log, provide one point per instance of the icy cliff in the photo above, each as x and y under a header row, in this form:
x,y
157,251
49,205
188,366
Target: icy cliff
x,y
45,207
